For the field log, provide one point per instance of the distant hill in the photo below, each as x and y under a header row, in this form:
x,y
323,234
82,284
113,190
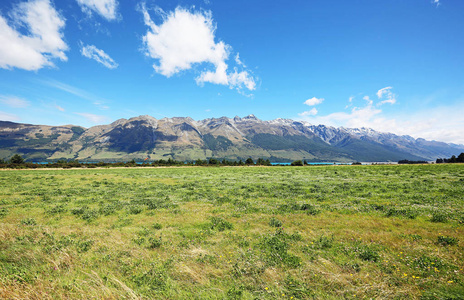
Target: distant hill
x,y
236,138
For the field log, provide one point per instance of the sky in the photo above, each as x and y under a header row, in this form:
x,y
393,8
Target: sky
x,y
391,65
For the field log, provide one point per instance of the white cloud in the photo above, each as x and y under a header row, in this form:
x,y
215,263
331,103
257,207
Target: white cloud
x,y
14,102
383,91
240,79
357,117
387,95
96,119
314,101
185,39
8,117
43,43
238,61
440,123
437,2
59,107
311,112
105,8
368,100
92,52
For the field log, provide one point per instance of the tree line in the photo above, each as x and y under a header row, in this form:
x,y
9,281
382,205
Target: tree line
x,y
452,159
17,161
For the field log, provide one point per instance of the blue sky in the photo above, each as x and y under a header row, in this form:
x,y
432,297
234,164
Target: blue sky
x,y
394,66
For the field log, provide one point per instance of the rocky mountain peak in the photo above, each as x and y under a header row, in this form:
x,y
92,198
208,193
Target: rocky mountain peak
x,y
250,118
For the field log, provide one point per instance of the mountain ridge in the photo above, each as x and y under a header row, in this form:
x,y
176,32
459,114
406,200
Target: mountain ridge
x,y
183,138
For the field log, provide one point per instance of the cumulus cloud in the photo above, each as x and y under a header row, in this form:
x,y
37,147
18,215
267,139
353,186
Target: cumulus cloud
x,y
437,123
96,119
357,117
43,42
92,52
387,95
105,8
311,112
14,102
314,101
185,39
241,79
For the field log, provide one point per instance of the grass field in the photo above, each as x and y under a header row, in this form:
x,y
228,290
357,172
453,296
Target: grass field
x,y
351,232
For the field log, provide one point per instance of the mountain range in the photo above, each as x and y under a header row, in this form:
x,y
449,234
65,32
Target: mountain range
x,y
183,139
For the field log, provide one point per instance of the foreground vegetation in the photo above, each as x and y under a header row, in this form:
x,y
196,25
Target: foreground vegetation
x,y
233,233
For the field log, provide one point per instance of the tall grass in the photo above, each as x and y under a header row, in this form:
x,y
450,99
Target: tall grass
x,y
233,233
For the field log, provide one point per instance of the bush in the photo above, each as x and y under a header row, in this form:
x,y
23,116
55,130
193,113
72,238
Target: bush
x,y
154,242
57,209
401,212
84,246
275,222
29,222
157,226
135,209
108,209
324,242
220,224
297,163
16,159
309,209
3,212
275,248
86,213
439,217
447,240
369,254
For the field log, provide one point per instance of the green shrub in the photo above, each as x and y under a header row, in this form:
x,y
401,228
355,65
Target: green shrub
x,y
3,212
29,222
86,213
108,209
90,215
139,240
79,211
234,293
368,254
275,222
154,242
57,209
135,209
275,252
157,226
153,279
439,217
401,212
309,209
447,240
324,242
84,246
220,224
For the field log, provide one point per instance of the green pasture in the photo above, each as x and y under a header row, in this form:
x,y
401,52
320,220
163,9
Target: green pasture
x,y
313,232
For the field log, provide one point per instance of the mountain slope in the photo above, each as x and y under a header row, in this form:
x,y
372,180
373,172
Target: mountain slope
x,y
229,138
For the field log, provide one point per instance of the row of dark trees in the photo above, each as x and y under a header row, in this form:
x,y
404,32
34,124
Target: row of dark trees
x,y
412,162
452,159
17,161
